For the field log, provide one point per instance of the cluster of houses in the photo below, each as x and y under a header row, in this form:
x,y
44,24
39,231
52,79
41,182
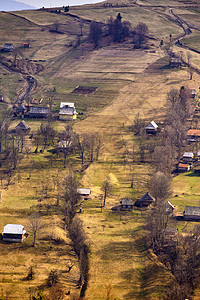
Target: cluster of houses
x,y
67,111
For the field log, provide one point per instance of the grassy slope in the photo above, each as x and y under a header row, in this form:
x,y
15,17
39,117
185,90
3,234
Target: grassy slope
x,y
119,259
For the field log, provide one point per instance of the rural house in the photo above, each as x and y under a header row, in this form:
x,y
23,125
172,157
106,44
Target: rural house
x,y
151,128
145,200
126,204
84,191
193,135
13,233
183,167
188,157
26,45
169,207
192,213
21,109
38,112
67,111
8,47
22,126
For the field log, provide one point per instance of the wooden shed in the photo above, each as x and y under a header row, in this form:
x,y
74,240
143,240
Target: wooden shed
x,y
145,200
8,47
38,112
188,157
85,192
183,167
192,213
22,126
126,204
151,128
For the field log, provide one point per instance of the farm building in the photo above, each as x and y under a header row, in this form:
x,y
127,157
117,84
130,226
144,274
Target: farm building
x,y
193,135
13,233
126,204
22,126
84,191
21,109
151,128
67,104
169,207
192,213
8,47
38,112
144,201
188,157
183,167
26,45
67,114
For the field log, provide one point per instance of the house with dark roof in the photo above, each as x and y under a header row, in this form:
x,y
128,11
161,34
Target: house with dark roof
x,y
192,213
8,47
13,233
145,200
21,109
151,128
22,126
38,112
126,204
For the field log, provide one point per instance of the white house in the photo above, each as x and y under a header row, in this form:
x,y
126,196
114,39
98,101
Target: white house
x,y
13,233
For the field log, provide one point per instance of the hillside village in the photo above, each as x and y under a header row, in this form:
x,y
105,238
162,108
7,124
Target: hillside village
x,y
100,151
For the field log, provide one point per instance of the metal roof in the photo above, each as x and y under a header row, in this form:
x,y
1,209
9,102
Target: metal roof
x,y
192,210
188,154
84,191
152,125
22,125
66,104
40,110
193,132
14,229
67,111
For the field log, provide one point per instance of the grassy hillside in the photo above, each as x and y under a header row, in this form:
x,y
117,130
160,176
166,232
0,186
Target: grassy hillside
x,y
129,82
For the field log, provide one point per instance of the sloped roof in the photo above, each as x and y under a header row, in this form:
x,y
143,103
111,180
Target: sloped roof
x,y
180,165
67,111
188,154
22,126
192,210
66,104
40,110
147,197
152,125
14,229
193,132
126,201
84,191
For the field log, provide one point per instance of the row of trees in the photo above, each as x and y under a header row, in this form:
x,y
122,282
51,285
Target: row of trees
x,y
118,30
183,259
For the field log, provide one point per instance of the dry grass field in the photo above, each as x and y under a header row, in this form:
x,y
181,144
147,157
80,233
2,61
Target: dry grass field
x,y
129,82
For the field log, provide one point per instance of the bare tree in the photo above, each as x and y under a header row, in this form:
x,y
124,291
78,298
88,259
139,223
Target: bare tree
x,y
160,186
106,187
35,226
95,33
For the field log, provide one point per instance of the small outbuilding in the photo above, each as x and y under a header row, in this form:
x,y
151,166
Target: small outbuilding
x,y
26,45
21,109
8,47
151,128
85,192
1,98
193,135
13,233
22,126
192,213
188,157
183,167
126,204
145,200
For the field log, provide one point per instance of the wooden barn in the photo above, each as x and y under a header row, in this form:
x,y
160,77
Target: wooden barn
x,y
192,213
183,167
188,157
8,47
38,112
151,128
126,204
84,192
193,135
145,200
13,233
